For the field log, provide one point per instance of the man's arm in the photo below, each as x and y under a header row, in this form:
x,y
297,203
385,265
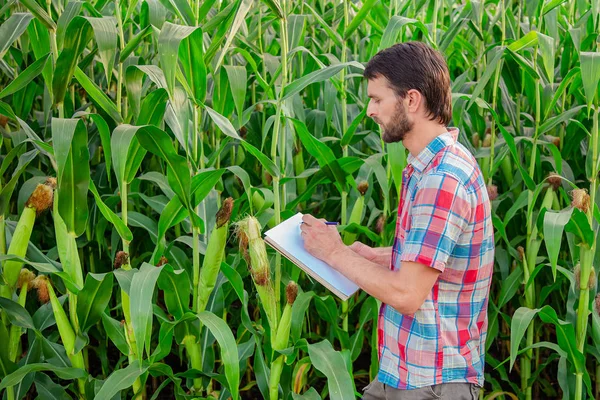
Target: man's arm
x,y
405,289
379,255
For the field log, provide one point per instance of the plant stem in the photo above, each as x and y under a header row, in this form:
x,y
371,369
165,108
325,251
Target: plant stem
x,y
278,125
495,99
196,266
122,46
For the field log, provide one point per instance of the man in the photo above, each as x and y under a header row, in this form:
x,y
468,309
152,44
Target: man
x,y
434,282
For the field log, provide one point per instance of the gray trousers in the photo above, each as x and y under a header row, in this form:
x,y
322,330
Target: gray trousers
x,y
446,391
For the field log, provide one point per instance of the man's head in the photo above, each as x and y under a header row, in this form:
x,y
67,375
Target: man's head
x,y
408,84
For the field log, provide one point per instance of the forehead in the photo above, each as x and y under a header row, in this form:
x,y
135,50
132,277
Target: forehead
x,y
379,86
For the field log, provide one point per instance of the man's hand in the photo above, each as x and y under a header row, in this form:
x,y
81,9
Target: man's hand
x,y
364,251
320,240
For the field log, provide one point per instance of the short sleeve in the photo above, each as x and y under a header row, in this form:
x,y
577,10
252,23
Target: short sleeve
x,y
440,213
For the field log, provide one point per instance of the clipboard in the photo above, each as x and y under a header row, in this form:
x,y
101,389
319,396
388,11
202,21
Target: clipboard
x,y
286,239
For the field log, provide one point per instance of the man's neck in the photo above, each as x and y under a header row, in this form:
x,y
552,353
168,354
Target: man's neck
x,y
421,135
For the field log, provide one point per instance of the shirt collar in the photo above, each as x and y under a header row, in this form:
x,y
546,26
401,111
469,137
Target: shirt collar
x,y
422,160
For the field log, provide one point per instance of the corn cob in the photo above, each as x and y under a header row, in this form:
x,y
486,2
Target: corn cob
x,y
40,200
252,247
214,255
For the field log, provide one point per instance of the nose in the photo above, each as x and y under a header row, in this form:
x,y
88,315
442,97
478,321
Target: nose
x,y
371,110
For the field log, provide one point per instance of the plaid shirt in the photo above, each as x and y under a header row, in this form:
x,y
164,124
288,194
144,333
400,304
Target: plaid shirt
x,y
444,221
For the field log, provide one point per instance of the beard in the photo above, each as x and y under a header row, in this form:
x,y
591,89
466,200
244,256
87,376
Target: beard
x,y
398,127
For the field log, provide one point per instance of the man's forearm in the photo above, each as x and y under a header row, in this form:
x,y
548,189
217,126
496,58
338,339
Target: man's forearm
x,y
384,255
370,277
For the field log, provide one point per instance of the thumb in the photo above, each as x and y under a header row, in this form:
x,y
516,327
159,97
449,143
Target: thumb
x,y
356,246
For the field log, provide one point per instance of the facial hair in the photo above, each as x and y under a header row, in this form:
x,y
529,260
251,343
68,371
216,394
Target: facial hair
x,y
398,127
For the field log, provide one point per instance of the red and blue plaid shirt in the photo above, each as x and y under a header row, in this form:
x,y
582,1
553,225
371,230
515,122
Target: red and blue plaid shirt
x,y
444,222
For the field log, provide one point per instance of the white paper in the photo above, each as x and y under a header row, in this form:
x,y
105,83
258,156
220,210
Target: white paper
x,y
287,236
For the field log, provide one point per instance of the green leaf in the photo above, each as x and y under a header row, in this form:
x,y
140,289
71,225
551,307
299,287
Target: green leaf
x,y
520,321
331,363
39,13
110,216
177,289
191,57
77,36
153,108
126,152
11,29
169,40
396,26
244,7
333,35
229,350
141,291
72,157
590,75
529,40
265,161
510,286
115,333
61,372
159,143
134,43
366,7
93,299
17,314
103,101
321,152
105,31
319,75
349,134
223,123
7,191
565,116
7,111
310,394
554,224
275,6
47,389
120,379
25,77
238,82
580,226
546,46
491,67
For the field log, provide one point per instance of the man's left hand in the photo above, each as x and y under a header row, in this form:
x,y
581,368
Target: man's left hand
x,y
320,240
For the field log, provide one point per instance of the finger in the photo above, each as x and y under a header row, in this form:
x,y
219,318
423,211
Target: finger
x,y
309,219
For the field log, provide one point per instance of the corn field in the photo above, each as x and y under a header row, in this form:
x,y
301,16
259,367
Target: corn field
x,y
147,145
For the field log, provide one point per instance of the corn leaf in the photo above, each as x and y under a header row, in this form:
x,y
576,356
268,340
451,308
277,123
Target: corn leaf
x,y
61,372
72,156
93,299
331,363
11,29
103,101
25,77
77,36
590,75
141,291
177,289
121,379
229,349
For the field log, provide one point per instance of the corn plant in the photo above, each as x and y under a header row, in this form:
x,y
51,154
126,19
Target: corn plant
x,y
165,137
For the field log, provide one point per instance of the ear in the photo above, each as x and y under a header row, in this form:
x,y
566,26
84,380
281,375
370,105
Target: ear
x,y
414,100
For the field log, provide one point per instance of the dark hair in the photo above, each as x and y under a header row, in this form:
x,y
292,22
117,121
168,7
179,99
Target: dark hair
x,y
415,65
